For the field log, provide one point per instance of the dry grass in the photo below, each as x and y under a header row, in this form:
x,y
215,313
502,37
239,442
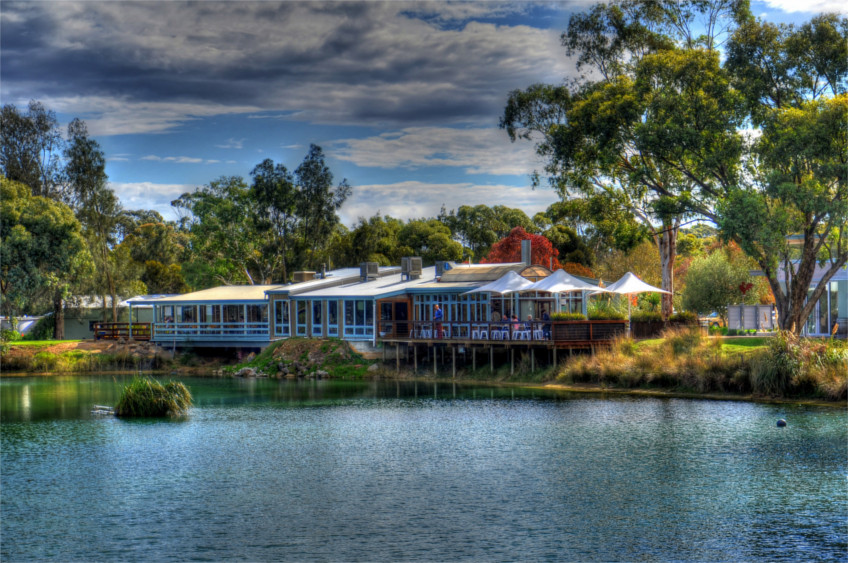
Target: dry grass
x,y
683,359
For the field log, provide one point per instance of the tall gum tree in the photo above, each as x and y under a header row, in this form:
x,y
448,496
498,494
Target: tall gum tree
x,y
754,142
598,136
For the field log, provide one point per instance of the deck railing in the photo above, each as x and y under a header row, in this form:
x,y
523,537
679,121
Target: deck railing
x,y
116,331
190,331
535,331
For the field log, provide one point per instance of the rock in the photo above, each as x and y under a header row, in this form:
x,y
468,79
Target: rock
x,y
373,368
246,372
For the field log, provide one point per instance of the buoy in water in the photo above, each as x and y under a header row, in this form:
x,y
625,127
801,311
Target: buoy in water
x,y
781,423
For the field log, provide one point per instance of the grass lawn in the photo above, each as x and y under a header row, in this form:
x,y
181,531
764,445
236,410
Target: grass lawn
x,y
40,342
732,345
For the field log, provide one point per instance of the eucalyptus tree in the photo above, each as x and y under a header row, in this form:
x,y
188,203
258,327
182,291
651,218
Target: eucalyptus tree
x,y
30,148
665,125
599,135
225,244
42,251
317,204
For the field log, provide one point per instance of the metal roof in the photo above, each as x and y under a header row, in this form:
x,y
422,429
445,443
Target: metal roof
x,y
232,293
480,272
332,278
381,287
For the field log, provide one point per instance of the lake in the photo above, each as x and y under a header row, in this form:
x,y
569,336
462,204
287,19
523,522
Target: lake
x,y
267,470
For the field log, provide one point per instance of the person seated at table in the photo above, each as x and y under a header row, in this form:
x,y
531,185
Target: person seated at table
x,y
529,324
516,325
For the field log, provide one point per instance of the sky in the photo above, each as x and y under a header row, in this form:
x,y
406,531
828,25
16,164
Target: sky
x,y
403,97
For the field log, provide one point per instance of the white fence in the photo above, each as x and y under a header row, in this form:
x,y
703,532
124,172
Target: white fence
x,y
759,317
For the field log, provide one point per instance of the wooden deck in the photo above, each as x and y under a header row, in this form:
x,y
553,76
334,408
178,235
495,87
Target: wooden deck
x,y
122,331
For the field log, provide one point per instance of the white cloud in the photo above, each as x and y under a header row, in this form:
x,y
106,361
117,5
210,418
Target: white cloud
x,y
413,199
121,116
232,143
176,159
149,195
478,151
809,6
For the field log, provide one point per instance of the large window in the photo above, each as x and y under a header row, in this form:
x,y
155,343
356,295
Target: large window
x,y
317,318
332,318
359,318
300,318
281,318
472,307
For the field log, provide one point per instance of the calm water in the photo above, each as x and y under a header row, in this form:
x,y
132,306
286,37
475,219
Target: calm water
x,y
266,470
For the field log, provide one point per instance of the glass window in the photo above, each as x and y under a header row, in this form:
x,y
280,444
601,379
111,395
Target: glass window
x,y
359,318
281,318
300,318
317,322
332,318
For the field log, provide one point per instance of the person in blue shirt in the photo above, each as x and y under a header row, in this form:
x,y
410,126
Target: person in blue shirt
x,y
437,317
546,328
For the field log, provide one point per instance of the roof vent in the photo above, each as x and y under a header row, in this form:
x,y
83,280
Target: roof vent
x,y
441,267
410,267
369,271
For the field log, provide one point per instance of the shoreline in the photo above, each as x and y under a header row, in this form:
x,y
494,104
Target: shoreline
x,y
580,388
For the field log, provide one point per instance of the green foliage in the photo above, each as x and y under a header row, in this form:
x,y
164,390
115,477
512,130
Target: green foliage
x,y
42,330
42,248
568,316
144,397
9,335
684,317
773,372
605,311
646,317
713,282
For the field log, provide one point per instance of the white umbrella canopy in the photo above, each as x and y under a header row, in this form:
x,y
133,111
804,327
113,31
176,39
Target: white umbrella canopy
x,y
562,282
630,284
507,283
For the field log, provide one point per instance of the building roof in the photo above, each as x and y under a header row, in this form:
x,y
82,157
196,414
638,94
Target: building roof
x,y
230,293
332,278
385,286
480,272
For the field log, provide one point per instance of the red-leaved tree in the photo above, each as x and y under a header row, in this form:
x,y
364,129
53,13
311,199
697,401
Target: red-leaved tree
x,y
509,250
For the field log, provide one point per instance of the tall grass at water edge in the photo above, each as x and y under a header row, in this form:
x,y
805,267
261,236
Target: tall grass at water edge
x,y
686,360
80,361
145,397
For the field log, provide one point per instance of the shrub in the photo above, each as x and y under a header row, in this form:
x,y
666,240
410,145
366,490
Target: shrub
x,y
9,335
145,397
43,329
773,371
684,317
568,317
600,311
646,317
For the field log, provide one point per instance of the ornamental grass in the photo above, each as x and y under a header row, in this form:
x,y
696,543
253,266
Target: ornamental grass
x,y
144,397
686,360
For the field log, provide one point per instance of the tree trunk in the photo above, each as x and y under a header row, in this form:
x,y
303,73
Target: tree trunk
x,y
58,316
666,241
794,303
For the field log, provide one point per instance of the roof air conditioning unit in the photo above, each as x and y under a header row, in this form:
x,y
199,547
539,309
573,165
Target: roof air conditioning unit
x,y
441,266
369,271
410,267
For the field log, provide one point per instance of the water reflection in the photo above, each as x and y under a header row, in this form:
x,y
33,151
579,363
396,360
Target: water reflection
x,y
405,470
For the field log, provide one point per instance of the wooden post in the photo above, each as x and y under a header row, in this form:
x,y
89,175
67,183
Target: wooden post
x,y
532,360
555,358
415,356
453,360
434,360
474,359
512,361
397,357
492,359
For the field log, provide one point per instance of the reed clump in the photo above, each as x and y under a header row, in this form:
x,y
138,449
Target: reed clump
x,y
144,397
686,360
